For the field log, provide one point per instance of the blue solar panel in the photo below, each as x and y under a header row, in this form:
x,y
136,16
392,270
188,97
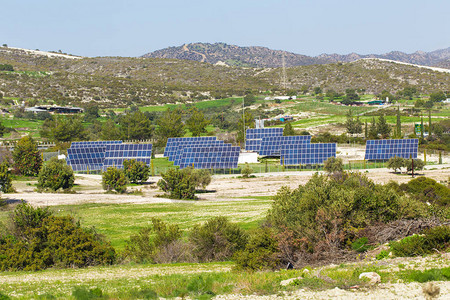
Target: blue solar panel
x,y
116,154
180,149
385,149
86,158
254,136
214,157
271,146
306,153
176,145
93,143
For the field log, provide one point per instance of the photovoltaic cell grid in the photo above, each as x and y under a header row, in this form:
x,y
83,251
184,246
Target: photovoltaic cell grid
x,y
93,143
86,158
254,137
177,156
175,145
306,153
215,157
385,149
272,145
116,154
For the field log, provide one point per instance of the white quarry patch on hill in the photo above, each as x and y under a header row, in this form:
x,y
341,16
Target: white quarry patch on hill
x,y
408,64
45,53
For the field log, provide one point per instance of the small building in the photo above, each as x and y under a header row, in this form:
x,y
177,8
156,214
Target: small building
x,y
286,119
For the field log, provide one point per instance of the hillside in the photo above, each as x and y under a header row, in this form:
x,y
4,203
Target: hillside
x,y
267,58
118,81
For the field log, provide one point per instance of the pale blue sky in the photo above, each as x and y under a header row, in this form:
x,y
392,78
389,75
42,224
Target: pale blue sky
x,y
135,27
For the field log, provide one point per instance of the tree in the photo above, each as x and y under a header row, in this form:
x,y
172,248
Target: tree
x,y
383,128
429,124
366,132
63,129
353,126
422,128
399,124
200,177
332,94
114,179
136,171
288,130
178,184
5,178
333,165
91,112
2,129
373,131
249,123
135,126
396,163
418,164
26,156
110,131
437,96
197,122
249,100
351,95
56,174
169,125
409,92
317,90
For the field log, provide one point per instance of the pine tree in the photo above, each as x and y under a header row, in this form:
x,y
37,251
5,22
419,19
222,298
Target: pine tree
x,y
429,123
365,130
373,131
383,127
399,124
288,130
421,128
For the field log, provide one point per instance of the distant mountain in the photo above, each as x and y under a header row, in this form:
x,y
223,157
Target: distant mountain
x,y
231,55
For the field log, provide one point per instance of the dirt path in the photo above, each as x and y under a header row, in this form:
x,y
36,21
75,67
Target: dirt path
x,y
223,187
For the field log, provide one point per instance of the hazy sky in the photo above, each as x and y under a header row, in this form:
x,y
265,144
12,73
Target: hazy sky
x,y
311,27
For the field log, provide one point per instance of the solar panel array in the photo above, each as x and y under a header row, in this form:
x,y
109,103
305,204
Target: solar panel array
x,y
93,143
86,158
306,153
95,156
115,154
271,146
212,157
385,149
174,144
201,153
254,136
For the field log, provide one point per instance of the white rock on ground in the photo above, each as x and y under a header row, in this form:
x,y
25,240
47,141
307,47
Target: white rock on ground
x,y
373,277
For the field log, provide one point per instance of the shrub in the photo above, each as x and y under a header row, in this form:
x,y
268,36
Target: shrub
x,y
40,240
178,184
136,171
143,248
333,164
360,245
5,178
396,163
200,177
246,171
26,156
217,239
409,246
55,175
260,252
418,165
114,179
84,293
428,190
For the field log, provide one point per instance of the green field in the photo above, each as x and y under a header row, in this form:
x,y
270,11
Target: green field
x,y
131,217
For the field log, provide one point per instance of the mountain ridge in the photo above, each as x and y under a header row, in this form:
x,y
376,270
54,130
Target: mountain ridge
x,y
258,56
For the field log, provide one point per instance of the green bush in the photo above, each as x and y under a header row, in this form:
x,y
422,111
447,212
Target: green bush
x,y
418,165
136,171
396,163
260,253
437,238
84,293
114,179
143,248
56,174
382,255
200,177
246,171
360,245
217,239
39,240
333,164
414,245
27,158
5,178
178,184
427,190
425,275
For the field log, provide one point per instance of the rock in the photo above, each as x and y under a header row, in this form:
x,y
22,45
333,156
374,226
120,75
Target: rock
x,y
289,281
373,277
